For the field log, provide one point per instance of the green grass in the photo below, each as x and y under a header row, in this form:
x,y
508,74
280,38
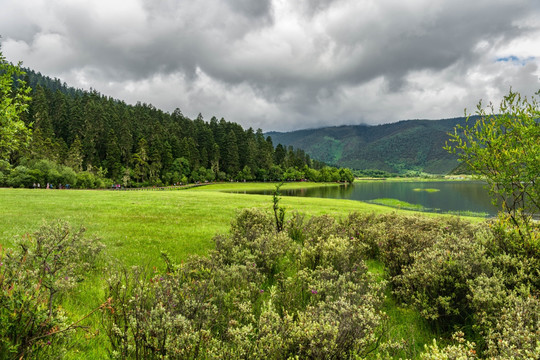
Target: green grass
x,y
403,323
137,225
429,190
399,204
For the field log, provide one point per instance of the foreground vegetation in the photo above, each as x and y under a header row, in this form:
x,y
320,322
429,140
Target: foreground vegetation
x,y
324,286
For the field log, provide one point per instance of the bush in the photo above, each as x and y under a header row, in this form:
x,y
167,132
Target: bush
x,y
366,231
516,332
250,224
395,238
523,241
33,276
21,177
461,349
68,176
43,172
5,170
436,283
86,180
258,295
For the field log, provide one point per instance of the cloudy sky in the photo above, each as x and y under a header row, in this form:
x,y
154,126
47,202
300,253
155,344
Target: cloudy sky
x,y
283,64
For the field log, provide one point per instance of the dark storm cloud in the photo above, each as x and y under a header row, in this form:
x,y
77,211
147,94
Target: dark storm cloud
x,y
251,8
283,64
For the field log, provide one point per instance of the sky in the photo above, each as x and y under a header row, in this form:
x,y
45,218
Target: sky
x,y
281,64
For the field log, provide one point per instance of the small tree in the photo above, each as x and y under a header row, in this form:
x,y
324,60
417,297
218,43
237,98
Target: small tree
x,y
279,211
14,134
503,148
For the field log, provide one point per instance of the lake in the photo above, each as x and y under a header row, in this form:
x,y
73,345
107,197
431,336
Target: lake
x,y
444,196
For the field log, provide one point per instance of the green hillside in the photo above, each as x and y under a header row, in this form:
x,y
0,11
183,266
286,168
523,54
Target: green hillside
x,y
398,147
92,141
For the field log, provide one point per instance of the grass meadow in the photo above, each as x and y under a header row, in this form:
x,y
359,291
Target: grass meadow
x,y
136,226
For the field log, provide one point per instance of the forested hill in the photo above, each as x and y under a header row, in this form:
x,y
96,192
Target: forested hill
x,y
415,145
139,144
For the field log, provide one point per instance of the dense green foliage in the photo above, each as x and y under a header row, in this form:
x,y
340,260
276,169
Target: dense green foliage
x,y
304,291
14,134
503,148
34,276
460,277
139,145
258,295
275,286
405,147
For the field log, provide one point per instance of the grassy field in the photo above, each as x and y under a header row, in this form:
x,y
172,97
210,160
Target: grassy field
x,y
399,204
137,225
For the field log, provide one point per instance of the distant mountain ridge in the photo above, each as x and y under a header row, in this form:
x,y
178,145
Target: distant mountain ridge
x,y
408,145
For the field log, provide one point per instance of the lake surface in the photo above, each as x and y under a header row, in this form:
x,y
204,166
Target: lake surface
x,y
451,196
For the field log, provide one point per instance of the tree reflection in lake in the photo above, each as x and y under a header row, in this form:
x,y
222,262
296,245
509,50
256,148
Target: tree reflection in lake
x,y
452,196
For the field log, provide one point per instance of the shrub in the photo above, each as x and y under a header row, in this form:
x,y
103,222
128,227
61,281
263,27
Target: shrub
x,y
68,176
5,170
295,227
461,349
365,231
516,332
253,297
320,227
402,237
251,223
396,238
21,176
33,275
523,242
436,283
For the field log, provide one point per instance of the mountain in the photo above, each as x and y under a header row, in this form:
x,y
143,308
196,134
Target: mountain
x,y
415,145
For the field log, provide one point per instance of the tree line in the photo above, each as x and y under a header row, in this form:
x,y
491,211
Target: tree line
x,y
105,141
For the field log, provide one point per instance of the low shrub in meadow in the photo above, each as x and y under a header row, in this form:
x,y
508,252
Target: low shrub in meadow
x,y
298,288
34,275
460,349
394,239
260,294
516,332
436,282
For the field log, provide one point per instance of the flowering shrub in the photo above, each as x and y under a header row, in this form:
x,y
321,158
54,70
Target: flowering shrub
x,y
33,275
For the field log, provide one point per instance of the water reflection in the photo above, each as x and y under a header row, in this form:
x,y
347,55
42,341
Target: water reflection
x,y
452,196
